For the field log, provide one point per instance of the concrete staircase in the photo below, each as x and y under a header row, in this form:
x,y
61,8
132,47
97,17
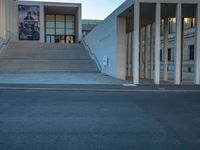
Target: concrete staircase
x,y
32,57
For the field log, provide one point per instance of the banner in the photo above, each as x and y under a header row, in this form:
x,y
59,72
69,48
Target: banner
x,y
29,22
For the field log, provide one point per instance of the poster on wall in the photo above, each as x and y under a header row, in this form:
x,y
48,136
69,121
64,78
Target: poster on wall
x,y
29,22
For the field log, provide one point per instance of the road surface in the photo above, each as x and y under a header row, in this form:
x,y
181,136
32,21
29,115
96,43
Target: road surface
x,y
94,120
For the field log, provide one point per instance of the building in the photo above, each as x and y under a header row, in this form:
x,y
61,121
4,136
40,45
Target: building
x,y
154,40
146,39
187,52
40,21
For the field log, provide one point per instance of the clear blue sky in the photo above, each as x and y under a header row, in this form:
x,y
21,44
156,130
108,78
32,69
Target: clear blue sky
x,y
93,9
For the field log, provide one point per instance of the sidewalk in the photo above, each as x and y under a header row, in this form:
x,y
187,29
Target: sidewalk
x,y
103,88
85,82
59,78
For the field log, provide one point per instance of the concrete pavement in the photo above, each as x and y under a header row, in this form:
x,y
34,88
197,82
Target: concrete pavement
x,y
59,78
70,78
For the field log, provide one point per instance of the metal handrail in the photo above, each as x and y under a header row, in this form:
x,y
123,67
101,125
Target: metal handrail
x,y
92,54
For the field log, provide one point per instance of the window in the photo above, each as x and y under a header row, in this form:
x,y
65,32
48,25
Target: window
x,y
50,24
59,27
169,54
50,39
50,31
191,52
161,55
189,23
60,31
172,25
70,25
162,27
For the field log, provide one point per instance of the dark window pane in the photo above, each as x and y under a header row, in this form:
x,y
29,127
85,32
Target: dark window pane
x,y
191,52
169,54
160,55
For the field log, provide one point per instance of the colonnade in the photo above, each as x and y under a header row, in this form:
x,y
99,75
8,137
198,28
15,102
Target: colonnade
x,y
155,46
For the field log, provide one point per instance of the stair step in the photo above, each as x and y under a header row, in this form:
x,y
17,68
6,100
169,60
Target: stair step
x,y
27,57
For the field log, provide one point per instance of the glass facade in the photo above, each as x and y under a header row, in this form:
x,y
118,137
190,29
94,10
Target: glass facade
x,y
60,29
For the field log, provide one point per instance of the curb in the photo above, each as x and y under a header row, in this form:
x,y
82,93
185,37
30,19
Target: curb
x,y
101,90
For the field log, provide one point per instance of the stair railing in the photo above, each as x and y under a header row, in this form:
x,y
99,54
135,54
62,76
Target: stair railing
x,y
92,55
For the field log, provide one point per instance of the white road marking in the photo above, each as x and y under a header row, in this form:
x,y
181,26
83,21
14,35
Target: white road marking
x,y
129,85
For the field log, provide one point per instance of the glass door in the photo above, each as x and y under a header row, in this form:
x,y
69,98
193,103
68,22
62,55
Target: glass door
x,y
70,39
60,39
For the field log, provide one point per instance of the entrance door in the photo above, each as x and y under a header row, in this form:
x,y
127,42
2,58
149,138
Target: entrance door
x,y
70,39
60,39
50,38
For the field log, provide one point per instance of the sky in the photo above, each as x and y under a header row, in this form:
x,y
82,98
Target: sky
x,y
93,9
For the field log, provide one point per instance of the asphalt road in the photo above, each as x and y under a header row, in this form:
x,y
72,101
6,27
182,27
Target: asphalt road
x,y
73,120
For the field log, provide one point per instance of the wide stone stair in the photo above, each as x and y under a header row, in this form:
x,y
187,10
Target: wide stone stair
x,y
32,57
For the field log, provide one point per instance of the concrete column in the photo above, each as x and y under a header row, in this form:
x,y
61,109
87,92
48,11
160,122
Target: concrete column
x,y
182,48
9,26
121,48
136,43
151,51
197,49
129,55
42,25
78,25
7,19
157,44
177,75
165,45
15,30
145,55
2,19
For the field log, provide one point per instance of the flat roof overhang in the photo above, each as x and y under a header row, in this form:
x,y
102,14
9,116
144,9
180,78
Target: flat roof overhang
x,y
168,10
61,8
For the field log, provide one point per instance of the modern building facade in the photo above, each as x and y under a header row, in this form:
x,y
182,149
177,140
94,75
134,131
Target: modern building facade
x,y
149,39
40,21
